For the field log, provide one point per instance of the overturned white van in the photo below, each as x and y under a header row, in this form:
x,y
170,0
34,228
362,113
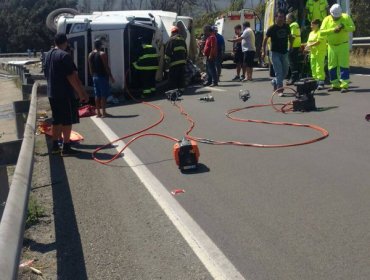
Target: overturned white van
x,y
119,31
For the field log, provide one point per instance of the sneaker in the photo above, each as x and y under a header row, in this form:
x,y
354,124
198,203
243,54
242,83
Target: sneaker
x,y
289,83
281,94
247,80
344,90
242,77
236,78
274,85
207,84
213,85
68,151
320,87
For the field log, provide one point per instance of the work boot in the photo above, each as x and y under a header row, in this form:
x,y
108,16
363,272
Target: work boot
x,y
332,89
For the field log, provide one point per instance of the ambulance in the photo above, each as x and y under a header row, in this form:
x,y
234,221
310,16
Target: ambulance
x,y
226,23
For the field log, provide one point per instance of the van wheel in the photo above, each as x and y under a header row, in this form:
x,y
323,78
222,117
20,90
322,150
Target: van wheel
x,y
52,18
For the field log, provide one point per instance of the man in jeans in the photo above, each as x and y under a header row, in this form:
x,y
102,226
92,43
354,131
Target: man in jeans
x,y
279,33
210,54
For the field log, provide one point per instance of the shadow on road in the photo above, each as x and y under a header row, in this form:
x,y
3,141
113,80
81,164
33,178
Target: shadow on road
x,y
201,169
39,247
360,70
70,257
323,109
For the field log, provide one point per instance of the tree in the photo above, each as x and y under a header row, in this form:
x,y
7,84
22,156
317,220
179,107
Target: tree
x,y
22,23
360,14
177,6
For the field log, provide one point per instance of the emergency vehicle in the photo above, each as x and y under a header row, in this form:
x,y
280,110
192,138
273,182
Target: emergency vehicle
x,y
226,23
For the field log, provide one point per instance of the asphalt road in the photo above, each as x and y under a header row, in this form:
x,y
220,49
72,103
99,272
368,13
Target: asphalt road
x,y
275,213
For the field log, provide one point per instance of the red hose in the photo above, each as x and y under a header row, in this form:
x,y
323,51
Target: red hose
x,y
283,109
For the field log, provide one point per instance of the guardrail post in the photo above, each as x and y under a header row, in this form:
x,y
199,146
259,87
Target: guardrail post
x,y
4,188
20,109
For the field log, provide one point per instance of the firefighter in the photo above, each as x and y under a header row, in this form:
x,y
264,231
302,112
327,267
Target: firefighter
x,y
294,48
176,54
146,66
337,27
316,45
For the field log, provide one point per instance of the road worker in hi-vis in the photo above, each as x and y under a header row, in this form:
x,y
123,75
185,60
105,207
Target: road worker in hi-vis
x,y
337,27
317,47
294,48
146,66
315,9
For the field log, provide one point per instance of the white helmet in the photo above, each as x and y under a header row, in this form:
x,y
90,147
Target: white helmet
x,y
336,10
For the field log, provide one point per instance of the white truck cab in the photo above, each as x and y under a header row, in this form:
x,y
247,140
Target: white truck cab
x,y
119,31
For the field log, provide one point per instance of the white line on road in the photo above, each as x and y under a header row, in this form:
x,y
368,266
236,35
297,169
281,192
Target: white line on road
x,y
215,89
363,75
210,255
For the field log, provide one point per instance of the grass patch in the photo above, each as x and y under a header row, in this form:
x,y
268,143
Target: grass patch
x,y
360,57
34,212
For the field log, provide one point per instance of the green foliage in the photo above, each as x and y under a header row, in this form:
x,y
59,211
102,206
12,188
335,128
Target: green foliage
x,y
22,23
236,5
205,19
360,14
34,212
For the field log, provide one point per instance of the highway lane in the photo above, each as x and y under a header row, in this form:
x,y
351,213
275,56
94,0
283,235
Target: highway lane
x,y
289,213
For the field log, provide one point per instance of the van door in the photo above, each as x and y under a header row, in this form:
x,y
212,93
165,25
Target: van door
x,y
78,44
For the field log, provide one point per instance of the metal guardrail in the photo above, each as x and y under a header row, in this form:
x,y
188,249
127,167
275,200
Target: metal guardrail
x,y
13,220
361,42
14,54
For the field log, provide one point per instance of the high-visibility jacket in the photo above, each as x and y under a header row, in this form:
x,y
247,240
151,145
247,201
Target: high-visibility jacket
x,y
329,24
176,51
148,60
295,31
320,49
316,9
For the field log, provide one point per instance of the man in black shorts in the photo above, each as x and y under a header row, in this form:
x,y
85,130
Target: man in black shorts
x,y
62,82
238,53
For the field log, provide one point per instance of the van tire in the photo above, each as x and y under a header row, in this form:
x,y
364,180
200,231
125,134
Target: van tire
x,y
54,15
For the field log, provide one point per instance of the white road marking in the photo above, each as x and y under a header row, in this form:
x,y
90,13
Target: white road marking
x,y
215,89
210,255
363,75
